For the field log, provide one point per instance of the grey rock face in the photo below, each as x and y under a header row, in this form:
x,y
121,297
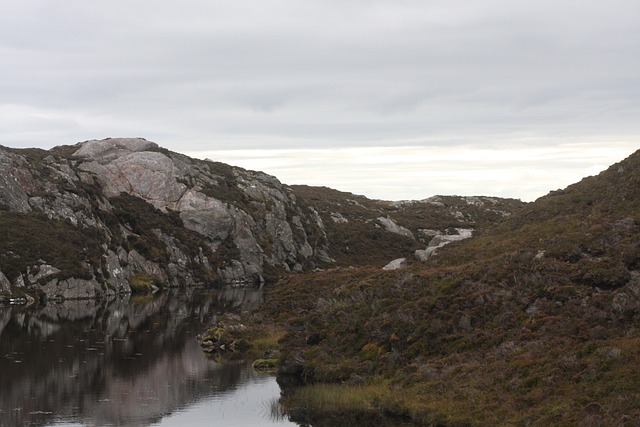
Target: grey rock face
x,y
73,289
5,284
391,226
396,264
43,272
118,274
211,222
205,215
15,182
338,218
148,175
113,148
441,240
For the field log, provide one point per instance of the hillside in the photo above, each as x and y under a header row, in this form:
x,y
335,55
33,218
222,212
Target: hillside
x,y
532,322
358,228
119,215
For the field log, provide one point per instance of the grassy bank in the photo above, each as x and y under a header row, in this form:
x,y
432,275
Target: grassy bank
x,y
437,346
330,404
497,393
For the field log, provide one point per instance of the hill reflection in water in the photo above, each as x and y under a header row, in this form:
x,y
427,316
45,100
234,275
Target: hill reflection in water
x,y
127,362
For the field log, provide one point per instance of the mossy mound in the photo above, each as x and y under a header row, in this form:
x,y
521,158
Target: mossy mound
x,y
142,283
232,337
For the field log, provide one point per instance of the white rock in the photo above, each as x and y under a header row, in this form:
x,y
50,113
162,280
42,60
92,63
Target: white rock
x,y
391,226
442,240
396,264
338,218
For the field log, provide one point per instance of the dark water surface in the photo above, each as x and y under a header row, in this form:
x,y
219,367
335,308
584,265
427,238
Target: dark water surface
x,y
128,362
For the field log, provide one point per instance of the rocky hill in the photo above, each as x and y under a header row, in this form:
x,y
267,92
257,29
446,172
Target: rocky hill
x,y
108,216
532,322
361,231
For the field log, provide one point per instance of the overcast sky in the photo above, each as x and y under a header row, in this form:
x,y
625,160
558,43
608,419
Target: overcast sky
x,y
393,99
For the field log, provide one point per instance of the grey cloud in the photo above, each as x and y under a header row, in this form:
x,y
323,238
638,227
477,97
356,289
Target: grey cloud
x,y
335,72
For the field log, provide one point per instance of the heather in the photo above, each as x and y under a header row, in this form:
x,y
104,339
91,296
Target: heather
x,y
531,322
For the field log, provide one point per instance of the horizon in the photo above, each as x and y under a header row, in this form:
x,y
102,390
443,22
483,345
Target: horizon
x,y
390,99
289,168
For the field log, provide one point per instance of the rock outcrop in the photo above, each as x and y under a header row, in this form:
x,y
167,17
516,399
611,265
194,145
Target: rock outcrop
x,y
396,264
391,226
439,240
127,209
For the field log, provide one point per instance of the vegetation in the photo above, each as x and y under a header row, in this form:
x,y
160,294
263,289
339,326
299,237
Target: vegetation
x,y
359,240
28,240
142,283
454,356
532,322
233,337
343,404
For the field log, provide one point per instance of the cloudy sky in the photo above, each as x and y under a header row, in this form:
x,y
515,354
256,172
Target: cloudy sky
x,y
393,99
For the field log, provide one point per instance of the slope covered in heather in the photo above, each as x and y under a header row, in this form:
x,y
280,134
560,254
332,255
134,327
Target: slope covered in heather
x,y
533,322
361,231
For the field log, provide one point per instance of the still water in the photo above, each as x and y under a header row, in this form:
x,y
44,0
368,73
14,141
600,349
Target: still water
x,y
128,362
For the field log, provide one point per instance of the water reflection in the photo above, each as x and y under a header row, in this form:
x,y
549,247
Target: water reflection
x,y
126,362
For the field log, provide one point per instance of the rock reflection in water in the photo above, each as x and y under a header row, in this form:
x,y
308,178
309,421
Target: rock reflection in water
x,y
120,362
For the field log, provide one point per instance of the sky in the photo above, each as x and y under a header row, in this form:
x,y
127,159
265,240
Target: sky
x,y
392,99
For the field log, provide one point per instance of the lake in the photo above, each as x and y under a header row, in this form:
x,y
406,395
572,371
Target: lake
x,y
129,361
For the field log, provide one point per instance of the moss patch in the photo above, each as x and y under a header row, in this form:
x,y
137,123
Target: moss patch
x,y
142,283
